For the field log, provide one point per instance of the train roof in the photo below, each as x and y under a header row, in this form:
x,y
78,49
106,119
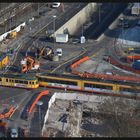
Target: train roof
x,y
76,77
19,76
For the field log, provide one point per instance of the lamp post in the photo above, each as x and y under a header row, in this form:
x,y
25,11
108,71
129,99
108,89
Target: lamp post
x,y
39,103
99,7
38,8
54,16
82,29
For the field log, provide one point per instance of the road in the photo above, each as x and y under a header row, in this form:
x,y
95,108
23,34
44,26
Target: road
x,y
91,48
22,100
29,41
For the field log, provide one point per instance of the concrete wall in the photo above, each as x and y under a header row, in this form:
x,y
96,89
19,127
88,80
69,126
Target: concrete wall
x,y
17,29
77,21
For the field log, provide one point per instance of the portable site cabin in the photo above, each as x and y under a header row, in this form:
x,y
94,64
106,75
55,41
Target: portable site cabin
x,y
135,9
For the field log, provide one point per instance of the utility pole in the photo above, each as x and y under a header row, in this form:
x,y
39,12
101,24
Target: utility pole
x,y
62,7
82,30
54,16
99,11
39,103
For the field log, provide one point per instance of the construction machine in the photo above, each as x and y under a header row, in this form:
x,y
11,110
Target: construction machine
x,y
29,64
45,52
12,35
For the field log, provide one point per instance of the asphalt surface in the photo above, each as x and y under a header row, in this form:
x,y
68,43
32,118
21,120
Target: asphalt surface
x,y
91,48
31,41
99,25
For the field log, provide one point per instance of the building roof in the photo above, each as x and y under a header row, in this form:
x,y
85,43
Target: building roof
x,y
136,5
130,37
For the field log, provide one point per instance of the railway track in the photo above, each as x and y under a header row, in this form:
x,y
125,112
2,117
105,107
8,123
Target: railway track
x,y
12,11
36,36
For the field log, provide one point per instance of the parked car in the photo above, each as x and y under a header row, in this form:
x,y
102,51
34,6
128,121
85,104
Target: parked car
x,y
55,4
14,133
75,41
59,51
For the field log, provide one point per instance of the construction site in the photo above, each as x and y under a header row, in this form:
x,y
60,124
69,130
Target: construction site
x,y
59,66
77,115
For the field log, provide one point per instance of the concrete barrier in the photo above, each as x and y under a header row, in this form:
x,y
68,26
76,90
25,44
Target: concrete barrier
x,y
17,29
72,25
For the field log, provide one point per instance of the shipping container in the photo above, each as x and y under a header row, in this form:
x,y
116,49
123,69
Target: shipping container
x,y
62,38
136,65
135,10
136,51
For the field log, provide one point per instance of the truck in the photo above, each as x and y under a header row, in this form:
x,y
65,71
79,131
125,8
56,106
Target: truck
x,y
62,38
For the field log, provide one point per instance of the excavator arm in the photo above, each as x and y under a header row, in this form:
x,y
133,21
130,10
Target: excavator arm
x,y
30,62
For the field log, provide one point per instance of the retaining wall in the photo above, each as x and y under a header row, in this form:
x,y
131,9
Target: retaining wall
x,y
77,20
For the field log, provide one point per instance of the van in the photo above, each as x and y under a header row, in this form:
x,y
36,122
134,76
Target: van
x,y
14,133
59,51
55,4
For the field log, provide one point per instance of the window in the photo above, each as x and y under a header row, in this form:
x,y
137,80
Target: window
x,y
25,82
129,90
6,80
58,81
0,79
97,86
19,81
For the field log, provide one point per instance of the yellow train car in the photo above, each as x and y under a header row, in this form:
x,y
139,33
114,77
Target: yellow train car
x,y
89,85
18,80
4,59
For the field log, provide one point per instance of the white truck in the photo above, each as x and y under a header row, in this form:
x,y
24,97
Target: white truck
x,y
61,38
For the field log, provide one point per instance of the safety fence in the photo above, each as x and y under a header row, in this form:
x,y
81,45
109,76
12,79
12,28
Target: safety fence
x,y
128,68
36,100
74,65
103,76
8,114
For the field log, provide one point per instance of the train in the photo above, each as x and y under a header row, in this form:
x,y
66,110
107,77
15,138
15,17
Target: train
x,y
18,81
91,85
76,83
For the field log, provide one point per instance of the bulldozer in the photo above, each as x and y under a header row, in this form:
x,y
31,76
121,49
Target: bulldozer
x,y
29,64
45,52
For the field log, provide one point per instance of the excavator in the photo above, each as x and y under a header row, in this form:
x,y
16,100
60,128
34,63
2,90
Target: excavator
x,y
29,64
45,52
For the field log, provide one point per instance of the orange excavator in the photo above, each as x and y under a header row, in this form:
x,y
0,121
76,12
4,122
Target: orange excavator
x,y
29,64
